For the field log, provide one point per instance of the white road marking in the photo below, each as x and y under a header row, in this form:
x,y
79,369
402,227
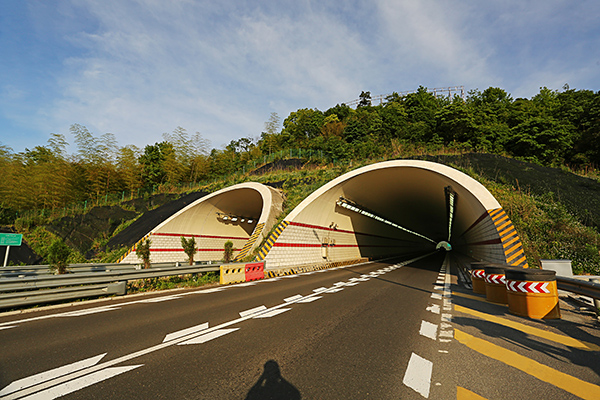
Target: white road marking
x,y
352,283
209,336
293,298
418,375
339,289
436,296
51,374
252,311
434,308
87,312
428,330
184,332
321,289
80,383
7,327
309,299
159,299
438,288
272,313
244,284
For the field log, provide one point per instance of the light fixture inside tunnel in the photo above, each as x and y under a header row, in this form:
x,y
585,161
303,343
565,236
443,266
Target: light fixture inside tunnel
x,y
352,206
450,206
234,218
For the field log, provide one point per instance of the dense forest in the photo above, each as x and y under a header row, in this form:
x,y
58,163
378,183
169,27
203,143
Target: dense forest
x,y
553,128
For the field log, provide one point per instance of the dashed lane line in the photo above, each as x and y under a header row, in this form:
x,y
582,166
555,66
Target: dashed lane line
x,y
554,337
576,386
418,375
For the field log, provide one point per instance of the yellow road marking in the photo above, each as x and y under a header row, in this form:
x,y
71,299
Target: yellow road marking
x,y
573,385
555,337
472,297
464,394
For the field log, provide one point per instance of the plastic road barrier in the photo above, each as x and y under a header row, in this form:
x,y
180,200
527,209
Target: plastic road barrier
x,y
232,274
533,293
495,284
255,271
478,277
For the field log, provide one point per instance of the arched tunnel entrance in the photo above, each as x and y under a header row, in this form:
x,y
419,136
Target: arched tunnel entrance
x,y
241,213
401,207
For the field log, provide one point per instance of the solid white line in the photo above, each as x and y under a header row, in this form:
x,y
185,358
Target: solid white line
x,y
8,327
187,331
87,312
418,375
252,311
51,374
80,383
428,330
209,336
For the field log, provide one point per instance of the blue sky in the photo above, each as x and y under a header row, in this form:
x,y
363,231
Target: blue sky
x,y
140,68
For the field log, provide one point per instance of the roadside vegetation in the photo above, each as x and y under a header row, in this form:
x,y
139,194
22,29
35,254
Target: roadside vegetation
x,y
47,194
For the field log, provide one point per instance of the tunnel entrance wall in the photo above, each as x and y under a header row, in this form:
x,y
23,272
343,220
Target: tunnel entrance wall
x,y
203,221
407,192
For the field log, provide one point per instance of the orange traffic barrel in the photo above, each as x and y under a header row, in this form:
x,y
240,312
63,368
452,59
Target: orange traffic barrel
x,y
478,276
495,283
532,293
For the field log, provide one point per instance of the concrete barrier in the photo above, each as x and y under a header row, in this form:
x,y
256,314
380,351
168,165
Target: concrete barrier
x,y
255,271
232,274
532,293
478,276
495,284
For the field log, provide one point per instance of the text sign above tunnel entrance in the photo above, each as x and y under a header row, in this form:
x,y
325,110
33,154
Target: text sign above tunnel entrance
x,y
10,239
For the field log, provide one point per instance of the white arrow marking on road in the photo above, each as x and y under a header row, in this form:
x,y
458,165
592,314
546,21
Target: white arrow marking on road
x,y
187,331
293,298
51,374
209,336
418,375
80,383
252,311
309,299
272,313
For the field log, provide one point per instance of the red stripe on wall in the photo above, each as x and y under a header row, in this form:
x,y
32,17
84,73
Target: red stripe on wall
x,y
181,250
335,245
491,241
324,228
201,236
481,218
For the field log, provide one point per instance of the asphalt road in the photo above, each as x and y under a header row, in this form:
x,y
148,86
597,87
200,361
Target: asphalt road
x,y
374,331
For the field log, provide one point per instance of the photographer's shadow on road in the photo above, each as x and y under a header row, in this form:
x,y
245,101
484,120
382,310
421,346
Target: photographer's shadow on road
x,y
272,386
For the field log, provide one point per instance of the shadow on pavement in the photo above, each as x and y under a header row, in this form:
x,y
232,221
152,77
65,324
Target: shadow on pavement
x,y
272,386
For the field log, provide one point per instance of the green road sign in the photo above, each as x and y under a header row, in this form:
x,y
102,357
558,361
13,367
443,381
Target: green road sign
x,y
10,239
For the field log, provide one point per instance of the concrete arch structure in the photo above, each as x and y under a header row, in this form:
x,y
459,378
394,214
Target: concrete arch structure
x,y
415,195
242,213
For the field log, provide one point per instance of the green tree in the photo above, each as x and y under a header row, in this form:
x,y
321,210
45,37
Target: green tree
x,y
189,248
58,254
228,251
142,251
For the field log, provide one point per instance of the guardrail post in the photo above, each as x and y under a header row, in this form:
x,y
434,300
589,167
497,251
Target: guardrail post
x,y
596,301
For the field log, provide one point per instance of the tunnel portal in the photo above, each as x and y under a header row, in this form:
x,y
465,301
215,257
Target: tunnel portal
x,y
400,207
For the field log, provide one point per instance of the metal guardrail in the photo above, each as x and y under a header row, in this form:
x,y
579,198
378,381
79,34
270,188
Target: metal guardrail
x,y
28,290
574,285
